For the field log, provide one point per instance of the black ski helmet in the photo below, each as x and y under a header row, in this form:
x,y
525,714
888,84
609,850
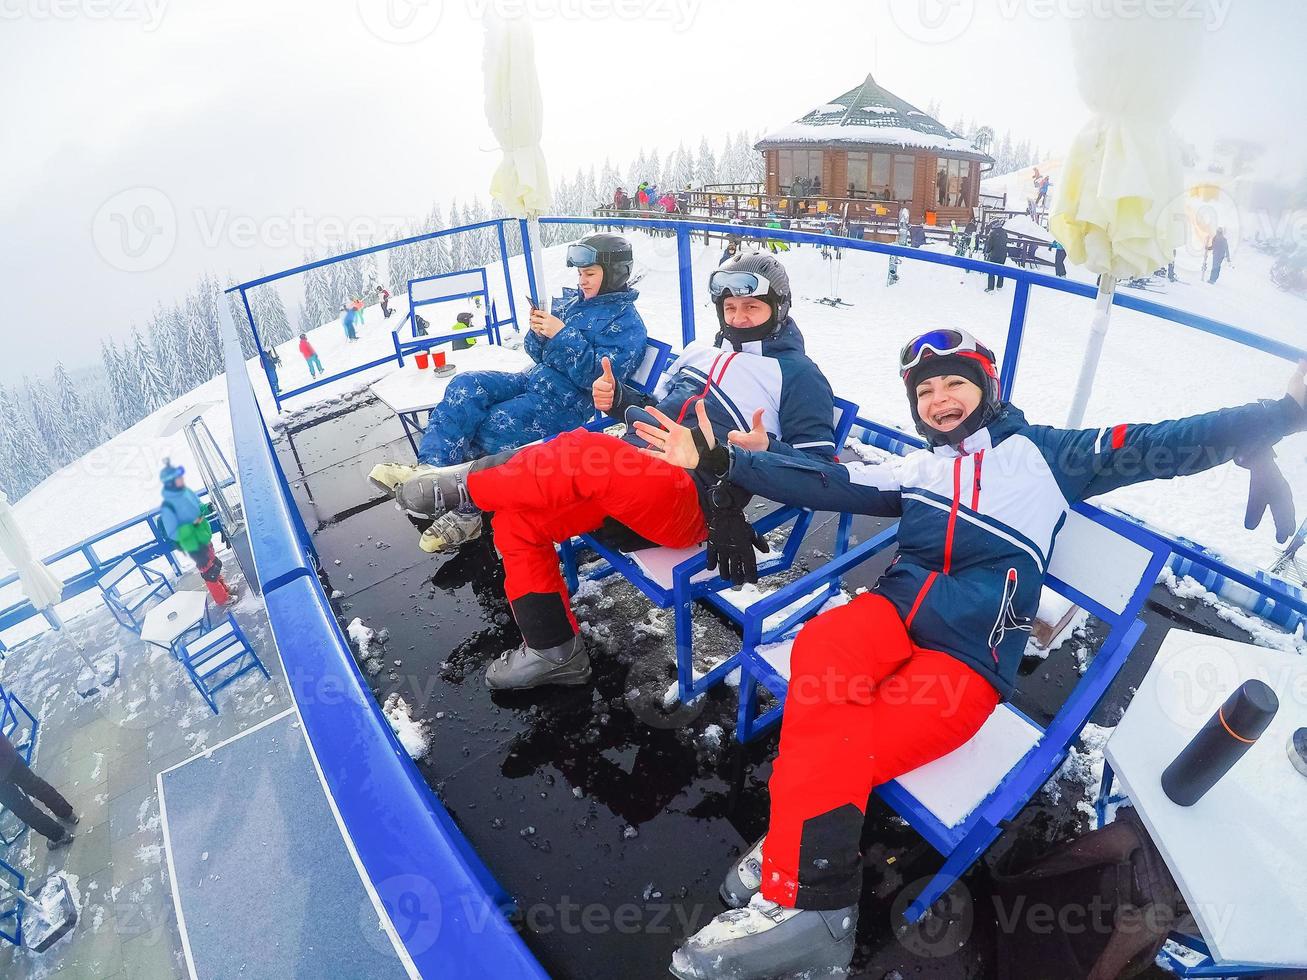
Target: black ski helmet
x,y
937,353
612,254
777,296
464,318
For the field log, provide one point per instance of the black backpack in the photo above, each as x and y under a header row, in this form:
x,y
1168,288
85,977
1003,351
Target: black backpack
x,y
1098,907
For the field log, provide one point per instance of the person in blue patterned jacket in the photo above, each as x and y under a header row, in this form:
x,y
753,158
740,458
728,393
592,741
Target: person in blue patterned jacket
x,y
909,671
487,412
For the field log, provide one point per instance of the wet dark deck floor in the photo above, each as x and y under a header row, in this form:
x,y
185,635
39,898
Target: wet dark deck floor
x,y
610,822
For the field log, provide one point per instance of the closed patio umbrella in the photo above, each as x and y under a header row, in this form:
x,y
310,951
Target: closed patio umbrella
x,y
40,585
1119,210
516,115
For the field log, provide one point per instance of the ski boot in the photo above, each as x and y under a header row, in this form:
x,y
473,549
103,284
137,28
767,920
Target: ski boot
x,y
766,941
426,491
744,877
523,668
452,529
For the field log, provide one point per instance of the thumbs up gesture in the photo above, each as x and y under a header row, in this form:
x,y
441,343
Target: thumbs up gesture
x,y
756,438
604,388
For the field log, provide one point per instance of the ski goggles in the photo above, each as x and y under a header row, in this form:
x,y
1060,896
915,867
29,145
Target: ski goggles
x,y
939,343
580,256
724,283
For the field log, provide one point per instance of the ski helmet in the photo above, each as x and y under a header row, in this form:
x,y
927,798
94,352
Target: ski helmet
x,y
612,253
937,353
751,275
465,319
169,473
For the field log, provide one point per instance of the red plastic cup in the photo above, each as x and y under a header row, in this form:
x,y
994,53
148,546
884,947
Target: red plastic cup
x,y
439,356
422,359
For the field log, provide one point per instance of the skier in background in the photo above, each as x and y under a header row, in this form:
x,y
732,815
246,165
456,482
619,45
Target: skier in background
x,y
185,522
270,364
384,295
996,251
310,357
463,322
1220,250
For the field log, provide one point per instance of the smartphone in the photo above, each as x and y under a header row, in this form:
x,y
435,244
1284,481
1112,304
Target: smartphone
x,y
634,413
534,305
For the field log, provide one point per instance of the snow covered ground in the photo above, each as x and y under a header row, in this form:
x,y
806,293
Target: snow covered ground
x,y
1150,370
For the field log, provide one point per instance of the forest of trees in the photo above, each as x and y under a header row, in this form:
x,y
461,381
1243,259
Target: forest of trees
x,y
53,420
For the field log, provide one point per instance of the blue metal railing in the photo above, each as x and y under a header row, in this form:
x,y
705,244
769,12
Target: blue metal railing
x,y
498,224
406,845
154,546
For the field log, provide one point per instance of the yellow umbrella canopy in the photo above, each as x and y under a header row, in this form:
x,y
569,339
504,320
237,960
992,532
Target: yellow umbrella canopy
x,y
40,585
1119,207
515,112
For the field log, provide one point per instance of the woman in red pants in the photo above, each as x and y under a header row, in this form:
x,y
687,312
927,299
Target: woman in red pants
x,y
908,672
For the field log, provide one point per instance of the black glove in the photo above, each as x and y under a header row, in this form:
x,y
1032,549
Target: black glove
x,y
1267,487
731,538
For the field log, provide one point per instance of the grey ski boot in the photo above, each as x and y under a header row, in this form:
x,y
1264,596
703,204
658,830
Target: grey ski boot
x,y
432,490
766,941
523,668
744,877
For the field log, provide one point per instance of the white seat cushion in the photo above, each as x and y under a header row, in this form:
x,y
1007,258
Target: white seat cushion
x,y
953,785
658,563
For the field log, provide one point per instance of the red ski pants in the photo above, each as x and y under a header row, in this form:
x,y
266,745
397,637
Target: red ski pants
x,y
864,705
555,490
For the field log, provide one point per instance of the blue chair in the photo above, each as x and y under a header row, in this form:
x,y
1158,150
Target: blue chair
x,y
24,743
217,657
960,802
677,577
11,906
10,708
128,606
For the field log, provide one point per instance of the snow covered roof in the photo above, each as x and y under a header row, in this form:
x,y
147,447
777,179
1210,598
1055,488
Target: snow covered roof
x,y
870,114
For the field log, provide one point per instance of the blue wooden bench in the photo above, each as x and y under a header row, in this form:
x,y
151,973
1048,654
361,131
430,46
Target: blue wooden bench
x,y
127,604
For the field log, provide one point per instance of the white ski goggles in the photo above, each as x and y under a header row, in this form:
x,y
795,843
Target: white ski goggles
x,y
726,283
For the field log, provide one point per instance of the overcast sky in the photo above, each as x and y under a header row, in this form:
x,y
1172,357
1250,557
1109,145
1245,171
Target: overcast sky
x,y
250,127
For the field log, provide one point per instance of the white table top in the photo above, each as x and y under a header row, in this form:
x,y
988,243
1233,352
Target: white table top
x,y
1237,854
162,631
408,390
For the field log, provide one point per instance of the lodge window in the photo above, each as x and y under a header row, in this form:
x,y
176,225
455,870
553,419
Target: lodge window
x,y
953,183
869,174
905,171
798,163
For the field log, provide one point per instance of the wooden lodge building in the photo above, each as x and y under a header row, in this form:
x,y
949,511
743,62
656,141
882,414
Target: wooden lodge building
x,y
867,153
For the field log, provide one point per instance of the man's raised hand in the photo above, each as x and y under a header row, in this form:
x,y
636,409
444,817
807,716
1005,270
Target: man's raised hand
x,y
756,438
674,443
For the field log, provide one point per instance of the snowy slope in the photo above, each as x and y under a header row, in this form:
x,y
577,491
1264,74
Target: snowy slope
x,y
1150,370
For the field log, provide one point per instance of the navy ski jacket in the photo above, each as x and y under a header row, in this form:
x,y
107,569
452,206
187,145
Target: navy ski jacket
x,y
773,374
978,523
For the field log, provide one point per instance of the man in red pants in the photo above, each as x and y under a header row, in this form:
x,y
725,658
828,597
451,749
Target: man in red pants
x,y
753,380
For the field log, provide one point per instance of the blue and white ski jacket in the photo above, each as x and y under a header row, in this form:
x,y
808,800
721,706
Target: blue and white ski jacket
x,y
978,523
773,374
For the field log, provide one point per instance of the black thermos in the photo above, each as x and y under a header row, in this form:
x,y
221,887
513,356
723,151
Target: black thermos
x,y
1220,743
